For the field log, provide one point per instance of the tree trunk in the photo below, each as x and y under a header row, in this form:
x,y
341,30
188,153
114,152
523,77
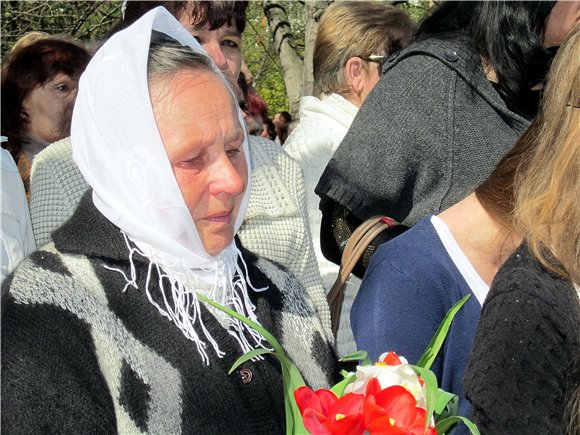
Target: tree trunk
x,y
313,10
291,62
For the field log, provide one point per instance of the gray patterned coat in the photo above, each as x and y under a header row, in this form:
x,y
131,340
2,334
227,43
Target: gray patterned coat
x,y
79,355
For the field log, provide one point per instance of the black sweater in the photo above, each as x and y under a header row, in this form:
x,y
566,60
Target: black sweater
x,y
525,358
80,355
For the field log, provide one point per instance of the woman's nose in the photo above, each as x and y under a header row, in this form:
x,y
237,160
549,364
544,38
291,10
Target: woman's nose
x,y
229,178
214,50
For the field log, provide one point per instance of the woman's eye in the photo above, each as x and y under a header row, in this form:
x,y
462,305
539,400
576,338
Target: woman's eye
x,y
230,44
233,152
62,88
193,163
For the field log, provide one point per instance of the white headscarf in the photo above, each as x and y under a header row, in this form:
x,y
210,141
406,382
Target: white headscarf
x,y
118,148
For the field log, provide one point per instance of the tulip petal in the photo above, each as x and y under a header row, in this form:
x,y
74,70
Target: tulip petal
x,y
392,359
306,398
314,422
373,387
326,399
349,404
398,404
349,425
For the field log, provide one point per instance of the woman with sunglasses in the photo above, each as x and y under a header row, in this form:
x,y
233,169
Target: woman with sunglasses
x,y
346,68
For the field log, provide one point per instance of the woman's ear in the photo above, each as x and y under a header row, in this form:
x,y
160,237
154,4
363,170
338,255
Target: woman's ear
x,y
355,71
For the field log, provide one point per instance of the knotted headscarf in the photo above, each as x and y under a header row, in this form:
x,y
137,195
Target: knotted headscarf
x,y
118,148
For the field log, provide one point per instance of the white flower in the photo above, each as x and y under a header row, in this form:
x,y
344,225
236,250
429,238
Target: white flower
x,y
389,375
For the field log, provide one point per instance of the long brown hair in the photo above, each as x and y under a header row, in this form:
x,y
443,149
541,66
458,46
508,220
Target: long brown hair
x,y
547,194
496,194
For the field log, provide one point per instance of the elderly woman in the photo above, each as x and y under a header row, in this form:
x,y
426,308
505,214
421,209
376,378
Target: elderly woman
x,y
39,87
102,330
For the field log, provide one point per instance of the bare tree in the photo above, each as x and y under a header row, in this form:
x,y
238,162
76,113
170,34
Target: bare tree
x,y
313,11
290,60
86,20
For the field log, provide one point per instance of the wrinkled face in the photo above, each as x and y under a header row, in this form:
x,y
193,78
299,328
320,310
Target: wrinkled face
x,y
223,45
564,16
49,108
198,122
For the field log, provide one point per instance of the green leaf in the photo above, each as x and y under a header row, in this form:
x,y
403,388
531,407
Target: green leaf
x,y
445,425
247,356
291,376
360,355
445,398
338,389
292,381
432,390
451,409
345,374
426,360
269,337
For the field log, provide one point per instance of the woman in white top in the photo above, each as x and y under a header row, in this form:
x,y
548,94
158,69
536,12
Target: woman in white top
x,y
346,68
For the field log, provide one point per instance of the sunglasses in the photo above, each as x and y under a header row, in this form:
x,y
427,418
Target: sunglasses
x,y
378,58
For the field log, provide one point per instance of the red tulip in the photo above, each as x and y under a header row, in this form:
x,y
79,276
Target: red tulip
x,y
390,359
393,411
323,413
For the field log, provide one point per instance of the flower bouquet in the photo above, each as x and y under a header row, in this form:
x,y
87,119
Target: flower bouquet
x,y
387,397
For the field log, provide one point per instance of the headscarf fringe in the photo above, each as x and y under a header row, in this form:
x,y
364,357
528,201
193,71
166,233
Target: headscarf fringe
x,y
182,307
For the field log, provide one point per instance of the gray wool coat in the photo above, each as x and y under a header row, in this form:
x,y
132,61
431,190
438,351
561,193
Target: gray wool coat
x,y
431,131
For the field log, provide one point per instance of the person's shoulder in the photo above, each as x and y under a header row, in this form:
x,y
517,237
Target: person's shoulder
x,y
417,241
61,149
431,57
311,143
56,158
7,162
266,154
522,276
275,181
31,280
417,254
261,145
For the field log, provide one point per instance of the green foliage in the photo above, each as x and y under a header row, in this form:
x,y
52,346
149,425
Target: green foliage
x,y
263,61
417,9
88,21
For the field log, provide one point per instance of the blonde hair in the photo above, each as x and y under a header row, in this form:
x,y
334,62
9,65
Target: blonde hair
x,y
355,28
28,39
547,195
